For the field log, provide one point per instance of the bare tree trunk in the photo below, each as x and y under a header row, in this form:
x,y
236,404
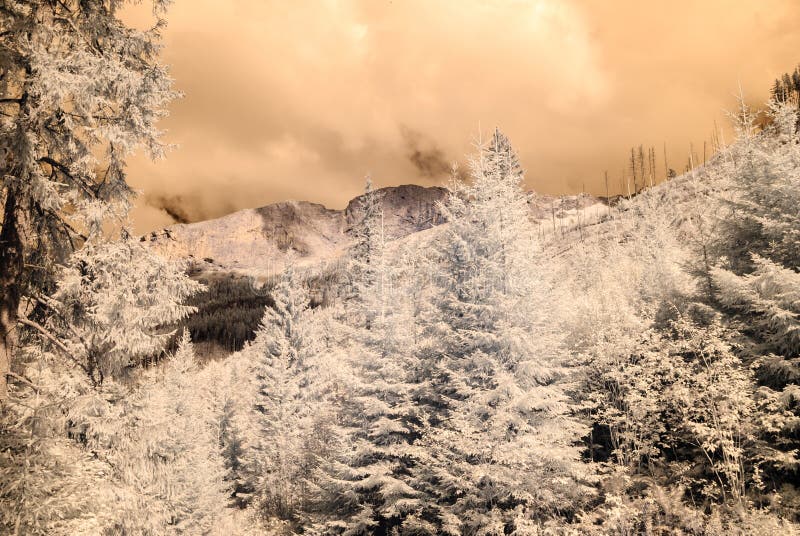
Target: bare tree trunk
x,y
11,272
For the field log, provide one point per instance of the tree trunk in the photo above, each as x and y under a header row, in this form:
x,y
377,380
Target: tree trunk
x,y
11,272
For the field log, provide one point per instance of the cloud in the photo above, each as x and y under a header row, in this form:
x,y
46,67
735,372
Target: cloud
x,y
427,158
174,205
302,99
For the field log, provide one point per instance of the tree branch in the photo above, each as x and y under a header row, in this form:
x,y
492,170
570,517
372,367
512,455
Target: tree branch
x,y
67,173
21,379
58,344
66,225
53,305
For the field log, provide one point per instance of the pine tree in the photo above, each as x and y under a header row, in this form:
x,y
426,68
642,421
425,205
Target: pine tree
x,y
107,313
49,482
223,383
367,261
80,91
499,442
274,462
711,406
756,278
165,457
294,429
112,305
381,417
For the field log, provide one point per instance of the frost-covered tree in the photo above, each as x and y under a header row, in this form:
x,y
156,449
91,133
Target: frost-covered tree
x,y
274,457
222,383
668,351
380,414
294,429
498,451
84,460
756,277
711,406
113,306
614,302
79,91
108,312
367,265
168,458
50,484
762,180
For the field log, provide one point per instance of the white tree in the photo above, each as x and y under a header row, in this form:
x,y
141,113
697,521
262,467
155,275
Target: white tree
x,y
500,442
380,415
79,92
367,263
274,457
294,424
113,306
713,406
50,484
111,309
167,457
222,383
757,276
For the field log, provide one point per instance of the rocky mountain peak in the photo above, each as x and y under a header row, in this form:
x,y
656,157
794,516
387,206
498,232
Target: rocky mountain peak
x,y
262,239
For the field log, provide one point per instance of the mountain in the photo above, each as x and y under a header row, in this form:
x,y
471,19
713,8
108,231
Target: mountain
x,y
259,241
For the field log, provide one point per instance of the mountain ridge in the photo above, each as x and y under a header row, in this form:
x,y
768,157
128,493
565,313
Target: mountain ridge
x,y
260,241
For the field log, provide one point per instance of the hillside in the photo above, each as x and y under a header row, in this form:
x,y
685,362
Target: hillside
x,y
258,241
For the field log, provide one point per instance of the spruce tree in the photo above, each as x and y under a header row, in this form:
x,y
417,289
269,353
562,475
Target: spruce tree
x,y
499,450
113,305
167,457
367,260
273,459
293,433
105,317
381,416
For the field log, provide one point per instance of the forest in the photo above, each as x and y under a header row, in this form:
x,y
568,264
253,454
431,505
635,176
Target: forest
x,y
635,376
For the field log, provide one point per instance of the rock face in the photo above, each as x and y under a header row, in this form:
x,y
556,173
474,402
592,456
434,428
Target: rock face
x,y
260,240
406,209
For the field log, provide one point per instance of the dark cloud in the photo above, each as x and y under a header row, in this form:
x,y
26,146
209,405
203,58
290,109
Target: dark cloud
x,y
175,206
188,208
428,159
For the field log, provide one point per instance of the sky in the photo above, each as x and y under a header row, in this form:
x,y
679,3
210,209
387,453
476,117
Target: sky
x,y
302,99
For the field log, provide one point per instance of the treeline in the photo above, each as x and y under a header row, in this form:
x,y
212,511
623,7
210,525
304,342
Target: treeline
x,y
228,311
230,306
786,89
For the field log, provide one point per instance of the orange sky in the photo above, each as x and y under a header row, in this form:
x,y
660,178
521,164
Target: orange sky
x,y
300,99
